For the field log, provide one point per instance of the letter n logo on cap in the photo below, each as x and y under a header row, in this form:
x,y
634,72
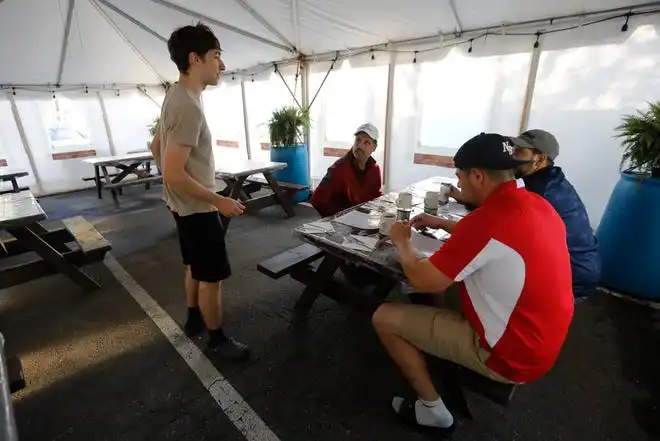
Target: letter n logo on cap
x,y
507,148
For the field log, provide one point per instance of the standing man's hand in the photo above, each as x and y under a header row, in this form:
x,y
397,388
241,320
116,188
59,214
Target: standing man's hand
x,y
229,207
400,233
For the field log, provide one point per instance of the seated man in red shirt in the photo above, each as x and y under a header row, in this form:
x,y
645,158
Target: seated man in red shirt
x,y
511,265
352,179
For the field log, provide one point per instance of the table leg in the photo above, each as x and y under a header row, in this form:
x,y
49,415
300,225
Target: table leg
x,y
237,188
53,257
113,191
324,274
14,184
283,200
97,181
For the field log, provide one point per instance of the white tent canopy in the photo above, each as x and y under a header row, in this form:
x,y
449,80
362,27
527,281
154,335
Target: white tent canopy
x,y
102,42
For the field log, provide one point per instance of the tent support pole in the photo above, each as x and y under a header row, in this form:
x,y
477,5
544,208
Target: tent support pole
x,y
304,86
387,145
24,139
229,27
106,123
127,40
531,83
65,41
296,27
133,20
265,23
246,123
144,92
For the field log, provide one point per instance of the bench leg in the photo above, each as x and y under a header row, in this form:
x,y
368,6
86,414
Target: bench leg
x,y
284,201
97,181
324,273
54,258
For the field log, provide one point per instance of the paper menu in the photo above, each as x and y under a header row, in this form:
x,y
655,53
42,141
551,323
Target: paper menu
x,y
357,219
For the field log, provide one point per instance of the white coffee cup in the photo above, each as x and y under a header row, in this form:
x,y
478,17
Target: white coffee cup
x,y
445,188
386,222
404,200
431,201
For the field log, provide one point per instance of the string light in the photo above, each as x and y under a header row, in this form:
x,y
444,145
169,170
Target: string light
x,y
13,91
624,28
536,44
470,48
233,77
86,90
117,92
415,59
373,57
252,78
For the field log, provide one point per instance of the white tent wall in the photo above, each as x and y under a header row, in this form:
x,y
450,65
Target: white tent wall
x,y
12,153
582,92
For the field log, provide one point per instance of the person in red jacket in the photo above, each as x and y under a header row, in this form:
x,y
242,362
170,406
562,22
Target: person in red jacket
x,y
353,179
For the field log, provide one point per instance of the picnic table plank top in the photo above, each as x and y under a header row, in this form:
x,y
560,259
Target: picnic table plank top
x,y
9,173
383,259
118,159
17,209
246,167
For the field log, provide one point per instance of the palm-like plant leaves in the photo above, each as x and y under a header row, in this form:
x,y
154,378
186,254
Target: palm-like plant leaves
x,y
287,125
640,134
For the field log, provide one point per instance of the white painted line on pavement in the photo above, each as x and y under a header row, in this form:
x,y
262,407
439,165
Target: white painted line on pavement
x,y
230,401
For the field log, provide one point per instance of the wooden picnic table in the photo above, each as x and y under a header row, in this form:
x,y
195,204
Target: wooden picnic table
x,y
242,179
20,216
341,247
127,164
11,175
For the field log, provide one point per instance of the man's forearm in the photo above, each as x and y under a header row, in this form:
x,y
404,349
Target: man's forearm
x,y
155,151
408,259
184,183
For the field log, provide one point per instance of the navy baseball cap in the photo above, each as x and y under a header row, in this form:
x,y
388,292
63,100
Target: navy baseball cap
x,y
488,151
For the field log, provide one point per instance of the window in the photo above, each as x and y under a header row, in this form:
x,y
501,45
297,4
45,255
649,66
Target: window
x,y
66,126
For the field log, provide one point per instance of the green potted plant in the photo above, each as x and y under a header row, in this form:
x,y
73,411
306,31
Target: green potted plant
x,y
629,232
152,129
287,140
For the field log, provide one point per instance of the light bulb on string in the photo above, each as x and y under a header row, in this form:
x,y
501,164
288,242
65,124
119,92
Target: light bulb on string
x,y
470,48
117,92
233,77
86,90
624,28
415,58
252,78
536,43
373,57
13,91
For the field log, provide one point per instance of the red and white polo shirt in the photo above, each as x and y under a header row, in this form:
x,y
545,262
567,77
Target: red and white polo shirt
x,y
512,264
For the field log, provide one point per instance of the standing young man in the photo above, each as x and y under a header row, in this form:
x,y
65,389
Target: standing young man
x,y
183,151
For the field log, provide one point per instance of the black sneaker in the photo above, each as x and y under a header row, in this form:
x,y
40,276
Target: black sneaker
x,y
194,326
229,349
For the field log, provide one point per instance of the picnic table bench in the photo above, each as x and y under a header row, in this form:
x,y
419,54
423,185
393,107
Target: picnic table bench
x,y
245,177
138,164
11,175
20,216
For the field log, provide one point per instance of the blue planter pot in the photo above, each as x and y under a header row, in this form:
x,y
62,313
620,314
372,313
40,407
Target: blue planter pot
x,y
629,238
296,171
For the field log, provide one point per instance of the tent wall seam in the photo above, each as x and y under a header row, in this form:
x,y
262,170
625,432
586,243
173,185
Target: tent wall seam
x,y
246,122
24,140
106,124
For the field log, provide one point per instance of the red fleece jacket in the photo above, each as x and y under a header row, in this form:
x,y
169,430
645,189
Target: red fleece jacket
x,y
345,186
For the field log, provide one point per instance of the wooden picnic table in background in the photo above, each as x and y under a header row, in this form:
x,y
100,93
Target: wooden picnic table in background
x,y
20,216
10,175
242,178
138,164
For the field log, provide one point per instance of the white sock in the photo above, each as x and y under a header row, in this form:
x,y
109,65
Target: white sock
x,y
433,413
429,413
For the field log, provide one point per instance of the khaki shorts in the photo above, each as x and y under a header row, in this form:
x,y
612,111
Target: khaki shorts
x,y
447,335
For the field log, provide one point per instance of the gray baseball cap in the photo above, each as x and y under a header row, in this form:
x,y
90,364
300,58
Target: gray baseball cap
x,y
540,140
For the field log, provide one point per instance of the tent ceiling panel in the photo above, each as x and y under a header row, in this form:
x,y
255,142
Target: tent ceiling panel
x,y
98,54
31,32
238,51
474,15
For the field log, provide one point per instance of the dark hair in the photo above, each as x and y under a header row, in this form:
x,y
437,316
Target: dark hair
x,y
198,39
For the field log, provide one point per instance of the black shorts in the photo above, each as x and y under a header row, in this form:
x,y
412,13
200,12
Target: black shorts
x,y
202,242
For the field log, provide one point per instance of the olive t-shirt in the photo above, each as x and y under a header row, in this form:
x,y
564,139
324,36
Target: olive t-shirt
x,y
182,122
